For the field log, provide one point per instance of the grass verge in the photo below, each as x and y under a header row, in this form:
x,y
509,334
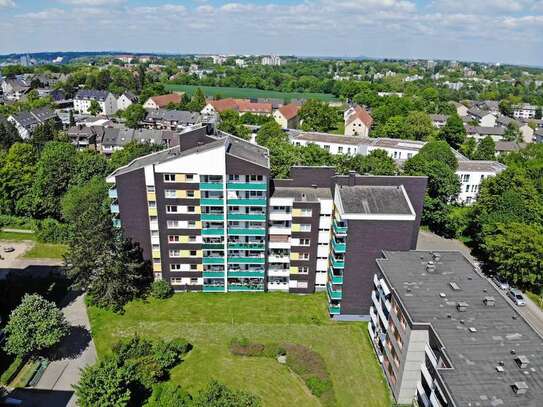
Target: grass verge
x,y
16,236
25,374
46,251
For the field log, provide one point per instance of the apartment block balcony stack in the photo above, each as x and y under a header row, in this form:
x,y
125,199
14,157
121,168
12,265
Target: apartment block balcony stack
x,y
338,248
114,207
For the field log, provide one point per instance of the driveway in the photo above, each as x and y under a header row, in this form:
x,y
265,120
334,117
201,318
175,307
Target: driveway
x,y
429,241
76,351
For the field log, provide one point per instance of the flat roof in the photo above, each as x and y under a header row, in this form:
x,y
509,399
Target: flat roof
x,y
303,194
374,200
329,138
475,353
481,166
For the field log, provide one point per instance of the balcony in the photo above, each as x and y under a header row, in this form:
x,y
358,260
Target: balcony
x,y
334,278
211,202
339,230
278,272
213,274
247,202
211,217
246,246
246,260
334,294
241,287
247,232
339,247
213,246
334,309
116,223
246,274
213,260
213,288
337,264
213,232
274,258
247,186
211,186
249,217
112,193
114,208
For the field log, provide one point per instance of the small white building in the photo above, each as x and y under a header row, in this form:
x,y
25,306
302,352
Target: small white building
x,y
471,174
484,117
272,60
125,100
287,116
106,100
357,122
524,111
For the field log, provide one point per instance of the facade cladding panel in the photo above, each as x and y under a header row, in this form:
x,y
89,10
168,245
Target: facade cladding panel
x,y
163,217
313,236
132,196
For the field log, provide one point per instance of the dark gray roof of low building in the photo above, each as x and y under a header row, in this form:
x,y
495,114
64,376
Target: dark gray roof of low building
x,y
374,200
180,116
474,111
486,131
35,117
130,96
474,355
481,166
90,94
508,146
302,194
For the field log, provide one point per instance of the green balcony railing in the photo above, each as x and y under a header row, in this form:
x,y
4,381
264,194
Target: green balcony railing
x,y
334,278
337,264
213,246
246,246
211,202
213,260
247,186
340,230
112,193
259,287
213,288
116,223
249,217
114,208
247,232
247,202
334,309
213,274
206,186
212,217
213,232
246,274
334,294
339,247
246,260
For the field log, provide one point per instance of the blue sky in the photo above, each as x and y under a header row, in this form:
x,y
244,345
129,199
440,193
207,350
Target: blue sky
x,y
508,31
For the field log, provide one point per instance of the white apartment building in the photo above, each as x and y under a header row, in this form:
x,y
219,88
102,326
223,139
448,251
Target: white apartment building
x,y
106,100
524,111
471,174
273,60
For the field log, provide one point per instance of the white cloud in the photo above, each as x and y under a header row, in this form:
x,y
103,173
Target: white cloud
x,y
485,6
7,3
92,3
43,14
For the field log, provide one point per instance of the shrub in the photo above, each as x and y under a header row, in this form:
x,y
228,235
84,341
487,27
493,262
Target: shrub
x,y
168,395
161,289
168,354
273,350
52,231
12,370
318,386
16,222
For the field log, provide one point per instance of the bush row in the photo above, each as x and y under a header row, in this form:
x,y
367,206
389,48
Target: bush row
x,y
12,371
47,230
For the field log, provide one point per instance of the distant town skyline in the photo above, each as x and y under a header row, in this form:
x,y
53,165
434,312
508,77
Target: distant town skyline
x,y
506,31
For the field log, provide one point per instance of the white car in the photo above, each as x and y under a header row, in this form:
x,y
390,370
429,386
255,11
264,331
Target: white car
x,y
517,297
502,284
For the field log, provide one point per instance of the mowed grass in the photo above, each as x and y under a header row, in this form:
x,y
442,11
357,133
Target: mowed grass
x,y
210,321
46,251
16,236
248,93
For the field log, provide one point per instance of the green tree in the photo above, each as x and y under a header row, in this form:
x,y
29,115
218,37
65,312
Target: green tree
x,y
269,133
377,162
512,133
439,151
454,131
43,133
198,101
317,116
133,115
8,135
218,395
72,119
516,253
35,325
130,152
88,164
106,384
16,178
418,126
394,127
232,124
486,149
94,108
468,147
168,395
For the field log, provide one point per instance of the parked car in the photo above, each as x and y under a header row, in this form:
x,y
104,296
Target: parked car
x,y
500,282
9,249
517,297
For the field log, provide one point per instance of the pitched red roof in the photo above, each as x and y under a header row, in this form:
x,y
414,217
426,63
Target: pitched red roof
x,y
362,114
289,111
165,100
240,105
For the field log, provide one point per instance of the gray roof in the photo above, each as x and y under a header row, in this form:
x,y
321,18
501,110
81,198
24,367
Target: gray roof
x,y
130,96
302,194
439,117
374,200
34,117
17,85
413,145
245,150
118,137
480,166
504,121
329,138
472,379
486,131
478,112
90,94
508,146
179,116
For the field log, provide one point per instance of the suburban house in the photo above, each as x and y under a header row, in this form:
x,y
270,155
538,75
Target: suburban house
x,y
14,89
126,99
210,218
170,119
84,97
239,105
357,122
479,132
162,101
504,147
86,137
27,121
461,110
115,138
525,111
335,144
471,174
287,116
445,336
439,120
484,117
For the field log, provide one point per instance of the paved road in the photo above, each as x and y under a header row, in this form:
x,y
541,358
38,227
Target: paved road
x,y
429,241
76,351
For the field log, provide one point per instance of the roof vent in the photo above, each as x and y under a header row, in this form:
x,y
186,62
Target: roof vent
x,y
489,301
442,295
522,361
520,387
436,257
431,267
500,369
454,286
462,306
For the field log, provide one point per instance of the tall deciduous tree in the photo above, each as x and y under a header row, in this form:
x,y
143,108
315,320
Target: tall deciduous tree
x,y
317,116
198,101
8,135
232,124
88,164
16,178
486,149
418,126
454,131
94,108
35,325
133,115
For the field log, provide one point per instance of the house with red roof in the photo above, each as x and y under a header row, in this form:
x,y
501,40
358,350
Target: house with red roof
x,y
241,106
287,116
162,101
357,122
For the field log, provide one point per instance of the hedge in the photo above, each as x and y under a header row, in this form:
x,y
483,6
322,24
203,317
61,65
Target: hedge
x,y
46,230
12,370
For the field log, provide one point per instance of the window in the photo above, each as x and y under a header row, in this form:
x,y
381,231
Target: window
x,y
176,280
192,239
171,208
190,194
304,256
303,270
326,147
302,284
465,178
348,150
175,267
174,253
306,212
467,188
154,233
169,177
173,239
193,253
152,204
305,227
156,247
150,188
256,178
194,281
194,267
482,177
304,242
192,224
191,209
169,193
409,155
189,177
340,150
173,224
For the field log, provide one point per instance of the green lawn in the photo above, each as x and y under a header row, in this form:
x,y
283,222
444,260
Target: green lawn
x,y
46,251
16,236
248,93
535,298
209,321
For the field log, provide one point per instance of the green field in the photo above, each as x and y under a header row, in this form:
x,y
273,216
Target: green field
x,y
210,321
248,93
38,250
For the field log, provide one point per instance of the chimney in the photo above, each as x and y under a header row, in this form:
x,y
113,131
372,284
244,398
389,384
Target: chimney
x,y
352,178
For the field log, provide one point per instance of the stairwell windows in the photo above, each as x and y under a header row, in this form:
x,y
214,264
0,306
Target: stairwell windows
x,y
305,242
173,238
